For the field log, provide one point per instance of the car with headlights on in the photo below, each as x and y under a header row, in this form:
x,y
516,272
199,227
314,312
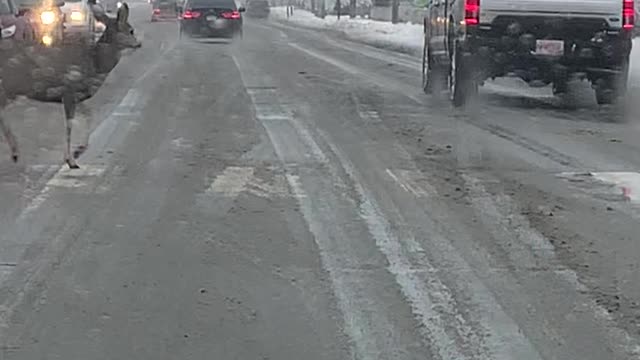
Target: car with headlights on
x,y
211,18
46,19
79,22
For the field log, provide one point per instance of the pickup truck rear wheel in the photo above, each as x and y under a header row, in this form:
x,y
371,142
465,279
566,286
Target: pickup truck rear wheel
x,y
462,85
610,90
434,77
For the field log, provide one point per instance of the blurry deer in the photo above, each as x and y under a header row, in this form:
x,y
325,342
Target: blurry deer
x,y
69,73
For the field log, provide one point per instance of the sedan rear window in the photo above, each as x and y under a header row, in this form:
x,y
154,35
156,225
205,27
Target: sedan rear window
x,y
223,4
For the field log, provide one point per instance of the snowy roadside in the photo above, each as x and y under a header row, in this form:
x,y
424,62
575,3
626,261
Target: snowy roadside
x,y
404,37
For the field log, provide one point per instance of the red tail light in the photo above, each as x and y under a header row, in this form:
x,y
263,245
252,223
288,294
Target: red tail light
x,y
628,14
188,14
231,15
472,12
156,11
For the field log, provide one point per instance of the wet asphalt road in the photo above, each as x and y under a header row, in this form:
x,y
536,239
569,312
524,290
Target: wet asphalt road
x,y
292,195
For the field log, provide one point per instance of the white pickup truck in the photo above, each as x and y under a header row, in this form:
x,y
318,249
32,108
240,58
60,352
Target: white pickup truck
x,y
540,41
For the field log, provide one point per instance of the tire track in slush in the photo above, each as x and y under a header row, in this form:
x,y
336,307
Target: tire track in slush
x,y
427,297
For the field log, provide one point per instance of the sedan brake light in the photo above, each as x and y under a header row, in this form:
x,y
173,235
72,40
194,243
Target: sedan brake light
x,y
231,15
188,14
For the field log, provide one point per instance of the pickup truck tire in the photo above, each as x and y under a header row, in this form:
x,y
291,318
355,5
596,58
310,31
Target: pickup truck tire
x,y
609,91
434,78
462,85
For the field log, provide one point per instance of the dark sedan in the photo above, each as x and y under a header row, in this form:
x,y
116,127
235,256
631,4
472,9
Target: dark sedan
x,y
164,10
211,18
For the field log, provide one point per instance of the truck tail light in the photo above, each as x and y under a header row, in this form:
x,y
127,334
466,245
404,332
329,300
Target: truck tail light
x,y
628,14
472,12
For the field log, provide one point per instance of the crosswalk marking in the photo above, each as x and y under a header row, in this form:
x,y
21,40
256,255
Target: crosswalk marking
x,y
231,182
627,183
63,178
606,185
75,178
408,181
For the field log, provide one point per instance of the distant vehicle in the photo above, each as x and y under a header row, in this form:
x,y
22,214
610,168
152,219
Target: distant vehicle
x,y
211,18
258,9
79,22
111,6
45,18
164,10
540,41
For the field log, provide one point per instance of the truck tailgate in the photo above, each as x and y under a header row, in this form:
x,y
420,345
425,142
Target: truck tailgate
x,y
560,7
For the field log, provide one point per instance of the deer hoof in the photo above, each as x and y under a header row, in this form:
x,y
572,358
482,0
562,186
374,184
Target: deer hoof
x,y
72,164
79,151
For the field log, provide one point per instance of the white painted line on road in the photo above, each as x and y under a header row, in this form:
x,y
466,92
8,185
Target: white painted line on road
x,y
628,183
75,178
130,99
358,326
125,108
163,56
430,297
98,138
432,303
63,177
259,188
231,182
35,203
406,180
355,71
276,112
367,338
502,212
413,64
296,186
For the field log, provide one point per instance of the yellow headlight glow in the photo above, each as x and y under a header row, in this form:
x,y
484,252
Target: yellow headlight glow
x,y
48,17
77,16
47,40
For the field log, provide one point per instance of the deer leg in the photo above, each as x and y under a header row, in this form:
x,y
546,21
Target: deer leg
x,y
13,144
69,102
85,119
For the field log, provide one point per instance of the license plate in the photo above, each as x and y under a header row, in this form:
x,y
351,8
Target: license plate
x,y
212,18
550,47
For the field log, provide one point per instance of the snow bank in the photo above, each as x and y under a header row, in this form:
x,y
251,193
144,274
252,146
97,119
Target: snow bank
x,y
404,37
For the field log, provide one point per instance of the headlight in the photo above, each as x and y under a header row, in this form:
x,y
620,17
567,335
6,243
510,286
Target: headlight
x,y
77,16
119,4
48,17
47,40
8,31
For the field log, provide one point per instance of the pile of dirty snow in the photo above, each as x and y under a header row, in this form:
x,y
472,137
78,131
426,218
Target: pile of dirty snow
x,y
404,37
